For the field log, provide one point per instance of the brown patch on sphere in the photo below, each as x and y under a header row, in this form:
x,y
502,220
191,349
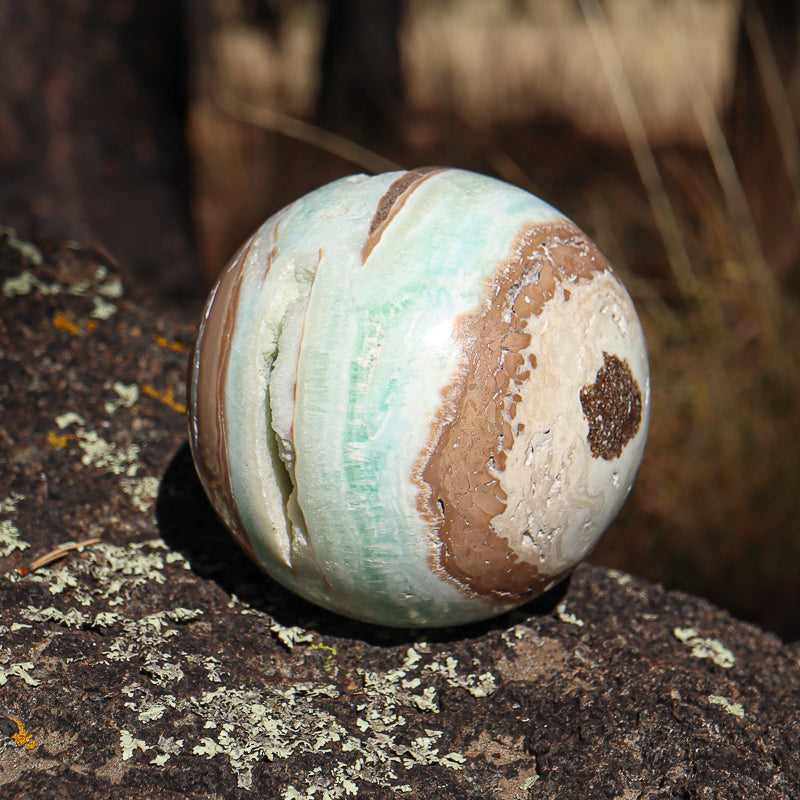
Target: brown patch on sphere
x,y
459,474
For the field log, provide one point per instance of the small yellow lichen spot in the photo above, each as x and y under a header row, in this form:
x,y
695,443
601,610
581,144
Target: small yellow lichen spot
x,y
322,646
167,398
63,323
22,737
59,440
333,652
176,347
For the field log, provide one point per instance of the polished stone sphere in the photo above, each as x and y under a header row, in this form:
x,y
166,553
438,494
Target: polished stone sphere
x,y
419,398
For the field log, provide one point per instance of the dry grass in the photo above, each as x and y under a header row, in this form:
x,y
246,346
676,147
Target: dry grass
x,y
715,506
495,61
715,509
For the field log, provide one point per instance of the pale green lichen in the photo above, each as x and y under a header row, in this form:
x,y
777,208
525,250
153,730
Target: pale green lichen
x,y
732,708
108,456
22,284
162,671
71,618
212,666
331,784
20,669
144,638
115,459
291,636
251,725
61,579
27,281
478,685
113,572
111,288
130,744
10,535
622,578
97,452
69,418
245,726
513,634
9,504
10,538
29,251
169,746
567,616
127,396
102,308
150,713
142,491
703,647
399,687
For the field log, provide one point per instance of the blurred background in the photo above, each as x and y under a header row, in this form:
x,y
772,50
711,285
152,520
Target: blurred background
x,y
162,132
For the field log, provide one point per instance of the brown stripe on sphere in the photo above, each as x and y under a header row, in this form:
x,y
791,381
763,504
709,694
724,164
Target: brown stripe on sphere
x,y
391,202
207,397
459,474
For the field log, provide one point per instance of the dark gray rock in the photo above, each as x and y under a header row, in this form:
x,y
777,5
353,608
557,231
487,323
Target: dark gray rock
x,y
157,661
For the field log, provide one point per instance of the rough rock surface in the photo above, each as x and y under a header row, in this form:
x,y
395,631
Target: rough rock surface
x,y
156,661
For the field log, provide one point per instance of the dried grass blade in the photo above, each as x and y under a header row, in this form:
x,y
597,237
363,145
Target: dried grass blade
x,y
739,208
638,141
58,553
294,128
780,105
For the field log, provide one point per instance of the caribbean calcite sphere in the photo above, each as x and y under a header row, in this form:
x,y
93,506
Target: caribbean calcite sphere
x,y
418,398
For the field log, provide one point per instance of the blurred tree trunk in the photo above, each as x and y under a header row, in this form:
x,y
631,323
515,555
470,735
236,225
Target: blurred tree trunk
x,y
246,50
92,111
361,86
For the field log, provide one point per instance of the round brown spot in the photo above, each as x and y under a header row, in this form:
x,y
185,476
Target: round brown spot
x,y
613,407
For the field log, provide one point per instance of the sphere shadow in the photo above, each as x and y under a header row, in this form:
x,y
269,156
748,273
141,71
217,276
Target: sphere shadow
x,y
188,525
